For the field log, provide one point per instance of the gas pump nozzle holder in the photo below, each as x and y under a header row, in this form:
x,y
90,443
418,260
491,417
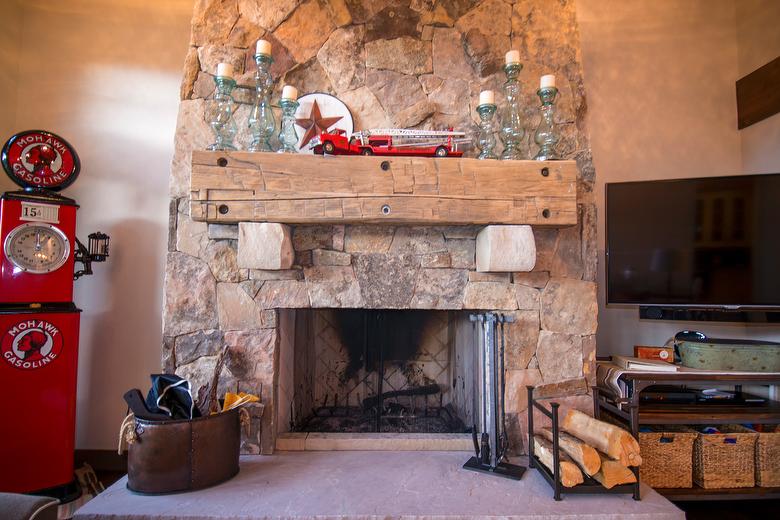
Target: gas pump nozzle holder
x,y
97,251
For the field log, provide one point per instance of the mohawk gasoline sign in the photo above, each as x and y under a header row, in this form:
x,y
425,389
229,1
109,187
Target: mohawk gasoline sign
x,y
31,343
40,159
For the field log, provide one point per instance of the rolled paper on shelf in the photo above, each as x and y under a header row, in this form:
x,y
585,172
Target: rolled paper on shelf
x,y
487,97
547,81
512,56
289,92
225,70
263,47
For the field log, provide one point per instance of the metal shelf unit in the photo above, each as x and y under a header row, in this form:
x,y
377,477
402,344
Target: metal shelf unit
x,y
634,414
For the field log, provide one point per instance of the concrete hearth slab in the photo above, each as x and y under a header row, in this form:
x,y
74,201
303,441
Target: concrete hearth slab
x,y
361,485
299,441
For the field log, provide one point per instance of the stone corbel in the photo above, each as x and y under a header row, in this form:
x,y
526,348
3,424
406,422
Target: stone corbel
x,y
502,249
264,245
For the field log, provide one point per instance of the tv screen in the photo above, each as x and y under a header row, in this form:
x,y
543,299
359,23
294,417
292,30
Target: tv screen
x,y
711,243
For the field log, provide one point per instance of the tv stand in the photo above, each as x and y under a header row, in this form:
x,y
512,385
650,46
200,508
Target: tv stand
x,y
672,313
633,413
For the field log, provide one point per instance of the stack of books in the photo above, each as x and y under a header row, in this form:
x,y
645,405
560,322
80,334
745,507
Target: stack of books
x,y
643,365
608,372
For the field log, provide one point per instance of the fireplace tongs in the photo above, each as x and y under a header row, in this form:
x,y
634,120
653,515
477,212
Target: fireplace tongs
x,y
490,450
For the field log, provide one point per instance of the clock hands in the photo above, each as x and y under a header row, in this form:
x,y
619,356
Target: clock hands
x,y
37,248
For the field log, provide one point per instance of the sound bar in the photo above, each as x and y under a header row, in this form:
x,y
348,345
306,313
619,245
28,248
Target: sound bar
x,y
722,315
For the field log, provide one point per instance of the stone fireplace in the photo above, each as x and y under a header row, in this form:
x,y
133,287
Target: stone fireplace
x,y
291,331
277,321
360,371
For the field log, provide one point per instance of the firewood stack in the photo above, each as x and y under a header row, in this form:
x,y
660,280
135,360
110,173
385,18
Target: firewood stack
x,y
600,450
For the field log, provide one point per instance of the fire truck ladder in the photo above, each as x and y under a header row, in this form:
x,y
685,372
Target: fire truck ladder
x,y
408,133
363,136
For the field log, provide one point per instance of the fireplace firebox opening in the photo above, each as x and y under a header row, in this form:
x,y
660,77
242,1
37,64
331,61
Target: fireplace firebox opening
x,y
386,371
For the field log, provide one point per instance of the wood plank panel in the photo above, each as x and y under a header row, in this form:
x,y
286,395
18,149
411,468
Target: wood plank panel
x,y
242,186
758,94
403,210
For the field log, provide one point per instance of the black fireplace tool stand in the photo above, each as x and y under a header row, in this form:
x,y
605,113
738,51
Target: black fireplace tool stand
x,y
590,486
502,469
490,444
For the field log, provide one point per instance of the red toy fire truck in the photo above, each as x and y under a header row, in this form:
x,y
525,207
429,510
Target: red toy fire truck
x,y
390,141
39,323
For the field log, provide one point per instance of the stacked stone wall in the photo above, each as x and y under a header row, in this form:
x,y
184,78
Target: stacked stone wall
x,y
418,63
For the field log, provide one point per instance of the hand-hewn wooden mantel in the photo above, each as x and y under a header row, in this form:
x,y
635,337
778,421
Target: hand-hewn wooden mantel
x,y
305,189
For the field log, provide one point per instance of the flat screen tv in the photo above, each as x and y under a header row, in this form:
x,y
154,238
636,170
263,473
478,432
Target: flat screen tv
x,y
709,243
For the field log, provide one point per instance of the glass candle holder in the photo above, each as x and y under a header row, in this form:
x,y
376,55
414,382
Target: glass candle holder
x,y
261,119
221,114
546,136
512,130
287,136
486,138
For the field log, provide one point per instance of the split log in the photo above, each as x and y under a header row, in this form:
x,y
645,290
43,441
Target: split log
x,y
612,473
584,455
570,474
207,394
616,442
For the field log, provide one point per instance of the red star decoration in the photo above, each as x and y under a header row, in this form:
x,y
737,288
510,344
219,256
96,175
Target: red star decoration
x,y
315,123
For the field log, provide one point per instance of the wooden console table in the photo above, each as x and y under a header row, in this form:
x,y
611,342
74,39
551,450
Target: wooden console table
x,y
635,414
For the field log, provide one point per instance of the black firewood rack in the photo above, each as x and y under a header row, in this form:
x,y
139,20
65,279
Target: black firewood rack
x,y
590,486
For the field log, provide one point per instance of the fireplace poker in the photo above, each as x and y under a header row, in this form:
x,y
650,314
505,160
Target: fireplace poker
x,y
381,374
491,450
503,439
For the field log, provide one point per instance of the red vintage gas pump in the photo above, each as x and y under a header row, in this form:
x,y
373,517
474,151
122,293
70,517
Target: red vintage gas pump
x,y
39,323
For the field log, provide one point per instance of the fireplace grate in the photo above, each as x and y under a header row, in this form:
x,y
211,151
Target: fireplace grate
x,y
396,417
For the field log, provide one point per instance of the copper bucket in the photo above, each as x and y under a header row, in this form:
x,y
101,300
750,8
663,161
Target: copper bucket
x,y
184,455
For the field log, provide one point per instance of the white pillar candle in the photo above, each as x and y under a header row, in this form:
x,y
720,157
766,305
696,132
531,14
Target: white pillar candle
x,y
225,70
263,47
512,56
486,97
548,81
289,92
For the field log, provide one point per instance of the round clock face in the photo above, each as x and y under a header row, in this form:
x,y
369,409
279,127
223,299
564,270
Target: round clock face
x,y
37,248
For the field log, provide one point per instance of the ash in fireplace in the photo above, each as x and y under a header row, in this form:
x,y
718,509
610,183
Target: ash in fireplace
x,y
395,417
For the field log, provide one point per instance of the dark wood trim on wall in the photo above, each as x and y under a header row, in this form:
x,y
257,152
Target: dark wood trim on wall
x,y
758,94
102,460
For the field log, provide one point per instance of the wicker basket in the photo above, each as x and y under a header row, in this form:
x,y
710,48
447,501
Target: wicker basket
x,y
768,458
725,460
667,458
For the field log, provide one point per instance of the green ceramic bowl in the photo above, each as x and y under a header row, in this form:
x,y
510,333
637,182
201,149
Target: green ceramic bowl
x,y
723,354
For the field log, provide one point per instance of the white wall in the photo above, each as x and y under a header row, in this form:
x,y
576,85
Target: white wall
x,y
758,43
11,15
659,78
105,76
